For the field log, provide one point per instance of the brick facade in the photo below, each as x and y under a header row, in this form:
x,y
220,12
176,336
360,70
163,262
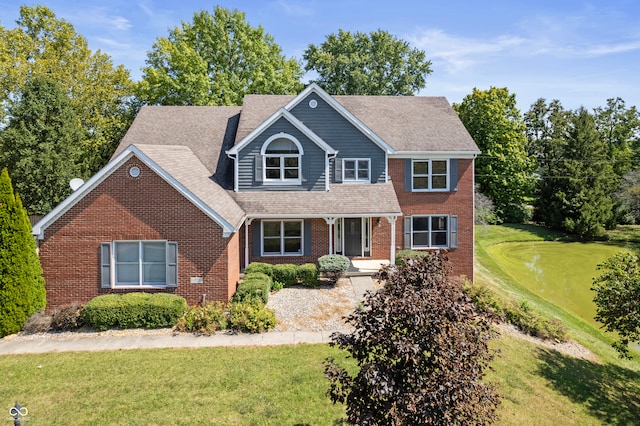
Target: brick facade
x,y
144,208
458,203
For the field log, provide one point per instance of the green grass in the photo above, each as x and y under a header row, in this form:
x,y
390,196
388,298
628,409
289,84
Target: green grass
x,y
285,385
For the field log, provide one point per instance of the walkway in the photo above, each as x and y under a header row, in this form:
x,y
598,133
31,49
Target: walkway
x,y
151,339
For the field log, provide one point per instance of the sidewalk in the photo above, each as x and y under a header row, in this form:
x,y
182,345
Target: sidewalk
x,y
92,342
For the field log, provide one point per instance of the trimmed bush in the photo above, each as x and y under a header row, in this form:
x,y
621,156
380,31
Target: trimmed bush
x,y
286,273
308,274
333,265
254,287
251,317
134,310
265,268
403,255
204,319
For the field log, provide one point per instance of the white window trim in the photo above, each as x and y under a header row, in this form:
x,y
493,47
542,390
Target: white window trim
x,y
282,238
430,216
282,180
356,179
430,175
114,264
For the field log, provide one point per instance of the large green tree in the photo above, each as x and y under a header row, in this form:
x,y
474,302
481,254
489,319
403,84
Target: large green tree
x,y
101,94
619,128
40,145
580,181
617,299
504,170
216,60
377,63
22,290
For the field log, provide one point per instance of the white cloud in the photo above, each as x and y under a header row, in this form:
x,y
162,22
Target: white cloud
x,y
293,9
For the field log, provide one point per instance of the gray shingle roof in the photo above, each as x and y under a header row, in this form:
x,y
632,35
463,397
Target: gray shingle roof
x,y
181,163
341,199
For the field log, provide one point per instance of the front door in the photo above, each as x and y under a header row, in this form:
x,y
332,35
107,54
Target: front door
x,y
353,236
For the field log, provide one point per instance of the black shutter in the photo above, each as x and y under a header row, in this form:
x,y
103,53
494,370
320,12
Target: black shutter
x,y
255,234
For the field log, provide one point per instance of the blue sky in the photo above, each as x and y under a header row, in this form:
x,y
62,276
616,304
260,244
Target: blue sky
x,y
579,52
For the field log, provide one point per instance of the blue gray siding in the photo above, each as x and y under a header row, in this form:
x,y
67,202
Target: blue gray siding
x,y
341,135
250,162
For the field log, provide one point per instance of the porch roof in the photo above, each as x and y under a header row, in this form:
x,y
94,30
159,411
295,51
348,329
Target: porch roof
x,y
341,200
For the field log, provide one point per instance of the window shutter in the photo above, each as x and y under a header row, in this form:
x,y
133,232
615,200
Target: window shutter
x,y
105,265
453,225
255,235
453,174
172,264
305,166
407,232
257,159
407,175
337,175
307,238
373,171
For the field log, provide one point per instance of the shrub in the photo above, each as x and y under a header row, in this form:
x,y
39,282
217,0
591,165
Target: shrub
x,y
276,286
251,317
204,319
134,310
403,255
255,286
37,323
286,273
333,265
67,318
422,350
308,274
265,268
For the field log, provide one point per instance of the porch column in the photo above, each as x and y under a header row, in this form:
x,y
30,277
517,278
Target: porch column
x,y
330,221
392,221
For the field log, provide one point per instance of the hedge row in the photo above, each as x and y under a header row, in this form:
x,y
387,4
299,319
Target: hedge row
x,y
133,310
286,274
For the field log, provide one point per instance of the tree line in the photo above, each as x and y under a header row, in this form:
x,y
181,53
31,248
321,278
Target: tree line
x,y
65,109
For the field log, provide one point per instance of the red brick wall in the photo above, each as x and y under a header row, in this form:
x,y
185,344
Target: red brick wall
x,y
145,208
458,203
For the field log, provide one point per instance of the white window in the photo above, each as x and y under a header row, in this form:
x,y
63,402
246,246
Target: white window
x,y
281,158
429,231
356,170
282,237
139,264
430,175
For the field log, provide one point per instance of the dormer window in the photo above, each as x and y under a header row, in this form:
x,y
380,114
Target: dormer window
x,y
281,156
356,170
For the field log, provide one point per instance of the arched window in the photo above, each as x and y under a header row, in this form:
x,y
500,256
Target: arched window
x,y
281,157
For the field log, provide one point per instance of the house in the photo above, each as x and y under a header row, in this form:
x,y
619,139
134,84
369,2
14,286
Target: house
x,y
194,194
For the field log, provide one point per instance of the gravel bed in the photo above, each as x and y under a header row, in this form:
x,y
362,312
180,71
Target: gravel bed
x,y
314,309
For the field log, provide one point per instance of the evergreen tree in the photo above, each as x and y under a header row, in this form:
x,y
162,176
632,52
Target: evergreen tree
x,y
581,182
22,290
40,145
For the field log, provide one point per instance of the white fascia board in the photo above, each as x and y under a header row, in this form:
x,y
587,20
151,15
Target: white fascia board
x,y
435,154
318,216
39,228
281,113
313,87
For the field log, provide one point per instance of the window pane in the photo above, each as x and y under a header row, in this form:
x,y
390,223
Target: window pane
x,y
439,182
363,169
291,162
271,245
291,173
153,252
282,146
154,273
127,274
272,161
349,174
439,167
127,252
349,165
420,183
439,223
420,167
271,229
439,239
420,223
421,239
292,245
272,173
292,229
